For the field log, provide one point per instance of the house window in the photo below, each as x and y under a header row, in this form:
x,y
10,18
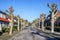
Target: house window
x,y
3,16
0,14
48,17
14,20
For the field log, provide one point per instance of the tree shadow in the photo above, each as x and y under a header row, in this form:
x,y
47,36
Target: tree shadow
x,y
1,33
46,36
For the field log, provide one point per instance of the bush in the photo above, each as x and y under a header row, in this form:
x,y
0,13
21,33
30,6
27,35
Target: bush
x,y
20,26
57,28
5,29
48,28
14,28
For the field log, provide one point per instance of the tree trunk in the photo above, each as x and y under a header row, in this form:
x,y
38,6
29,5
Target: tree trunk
x,y
18,25
21,25
11,26
52,23
0,28
42,25
39,23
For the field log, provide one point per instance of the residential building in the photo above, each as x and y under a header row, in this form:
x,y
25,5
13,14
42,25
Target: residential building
x,y
56,21
3,20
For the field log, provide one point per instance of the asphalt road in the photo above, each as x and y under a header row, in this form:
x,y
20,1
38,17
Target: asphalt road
x,y
30,33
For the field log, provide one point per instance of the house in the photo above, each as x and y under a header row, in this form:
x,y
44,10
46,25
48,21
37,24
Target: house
x,y
15,21
3,20
56,19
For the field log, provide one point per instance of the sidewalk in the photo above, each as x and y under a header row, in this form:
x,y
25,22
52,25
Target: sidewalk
x,y
55,34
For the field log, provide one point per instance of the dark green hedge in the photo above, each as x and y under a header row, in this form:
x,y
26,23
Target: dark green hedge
x,y
57,28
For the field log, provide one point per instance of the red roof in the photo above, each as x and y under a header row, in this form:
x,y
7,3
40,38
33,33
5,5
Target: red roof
x,y
3,19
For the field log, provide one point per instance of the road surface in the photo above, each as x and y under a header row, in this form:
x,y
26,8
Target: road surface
x,y
30,33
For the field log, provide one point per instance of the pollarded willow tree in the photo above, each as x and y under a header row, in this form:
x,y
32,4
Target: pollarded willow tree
x,y
25,23
33,23
53,8
11,19
42,19
36,22
21,23
39,22
18,17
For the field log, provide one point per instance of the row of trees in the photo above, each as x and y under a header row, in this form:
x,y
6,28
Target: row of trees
x,y
42,18
19,20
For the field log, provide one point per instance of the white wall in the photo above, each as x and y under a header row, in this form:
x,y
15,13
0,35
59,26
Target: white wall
x,y
2,15
0,27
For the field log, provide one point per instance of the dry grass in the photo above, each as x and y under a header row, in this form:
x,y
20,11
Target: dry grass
x,y
5,36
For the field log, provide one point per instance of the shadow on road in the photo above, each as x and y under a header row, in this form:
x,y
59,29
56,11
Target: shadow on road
x,y
42,34
46,36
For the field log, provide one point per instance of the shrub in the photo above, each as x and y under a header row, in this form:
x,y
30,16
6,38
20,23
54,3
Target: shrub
x,y
48,28
5,29
57,28
14,28
20,26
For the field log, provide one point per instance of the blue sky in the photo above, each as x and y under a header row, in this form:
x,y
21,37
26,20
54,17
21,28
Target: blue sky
x,y
28,9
